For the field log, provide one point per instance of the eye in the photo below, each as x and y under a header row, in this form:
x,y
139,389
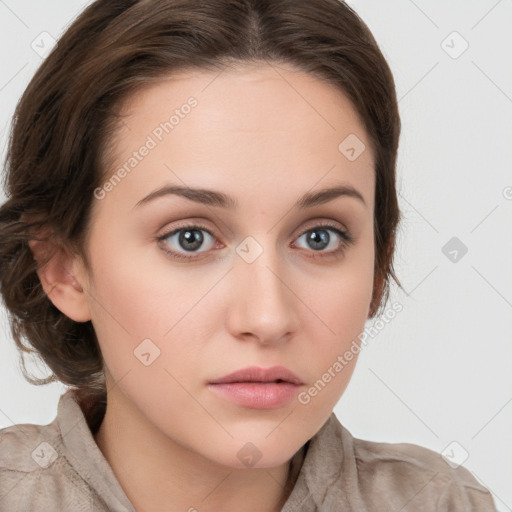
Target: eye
x,y
321,237
188,239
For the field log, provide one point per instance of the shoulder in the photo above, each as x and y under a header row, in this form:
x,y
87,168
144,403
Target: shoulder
x,y
28,447
417,478
34,471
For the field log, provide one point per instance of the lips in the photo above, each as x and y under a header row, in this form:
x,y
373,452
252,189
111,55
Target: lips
x,y
261,375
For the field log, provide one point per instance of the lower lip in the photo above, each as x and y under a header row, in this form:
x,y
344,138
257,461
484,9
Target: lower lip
x,y
255,395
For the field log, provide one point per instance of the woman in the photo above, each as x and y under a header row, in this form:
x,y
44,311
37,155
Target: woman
x,y
201,217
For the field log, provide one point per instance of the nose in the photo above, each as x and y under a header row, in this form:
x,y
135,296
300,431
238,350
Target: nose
x,y
262,305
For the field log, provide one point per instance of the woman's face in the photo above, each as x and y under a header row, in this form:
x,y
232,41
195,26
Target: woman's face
x,y
261,279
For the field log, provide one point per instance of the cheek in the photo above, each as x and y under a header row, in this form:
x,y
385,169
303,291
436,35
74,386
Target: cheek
x,y
332,357
135,290
341,296
142,307
337,316
342,315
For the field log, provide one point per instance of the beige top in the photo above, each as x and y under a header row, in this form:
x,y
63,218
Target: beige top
x,y
59,467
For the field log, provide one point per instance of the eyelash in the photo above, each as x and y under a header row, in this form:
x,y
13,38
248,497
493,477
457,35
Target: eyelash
x,y
346,240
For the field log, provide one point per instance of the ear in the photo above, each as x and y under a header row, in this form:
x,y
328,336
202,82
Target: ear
x,y
57,268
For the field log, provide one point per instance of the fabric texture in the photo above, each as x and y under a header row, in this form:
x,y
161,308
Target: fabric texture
x,y
59,467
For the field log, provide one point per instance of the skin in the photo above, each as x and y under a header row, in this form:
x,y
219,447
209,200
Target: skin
x,y
264,135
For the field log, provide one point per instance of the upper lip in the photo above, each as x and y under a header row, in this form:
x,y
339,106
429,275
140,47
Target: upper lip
x,y
256,374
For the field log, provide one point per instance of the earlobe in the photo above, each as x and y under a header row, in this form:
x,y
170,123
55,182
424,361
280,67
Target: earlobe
x,y
56,273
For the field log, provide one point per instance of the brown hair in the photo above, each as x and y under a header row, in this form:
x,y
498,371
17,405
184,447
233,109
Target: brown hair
x,y
66,116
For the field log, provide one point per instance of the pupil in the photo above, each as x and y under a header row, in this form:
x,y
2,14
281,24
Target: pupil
x,y
191,239
318,238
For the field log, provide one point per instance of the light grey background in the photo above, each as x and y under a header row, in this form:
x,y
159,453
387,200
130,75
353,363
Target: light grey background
x,y
441,371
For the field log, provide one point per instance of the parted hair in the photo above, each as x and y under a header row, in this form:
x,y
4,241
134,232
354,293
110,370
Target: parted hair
x,y
65,119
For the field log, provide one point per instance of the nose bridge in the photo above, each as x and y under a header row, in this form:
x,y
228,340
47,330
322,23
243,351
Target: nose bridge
x,y
262,303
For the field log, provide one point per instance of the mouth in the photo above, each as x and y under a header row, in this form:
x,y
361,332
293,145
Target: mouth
x,y
256,375
258,388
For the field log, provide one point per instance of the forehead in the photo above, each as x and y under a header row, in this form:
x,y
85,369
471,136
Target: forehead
x,y
262,98
248,124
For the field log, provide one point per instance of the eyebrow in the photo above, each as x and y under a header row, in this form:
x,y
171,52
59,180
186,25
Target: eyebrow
x,y
221,200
